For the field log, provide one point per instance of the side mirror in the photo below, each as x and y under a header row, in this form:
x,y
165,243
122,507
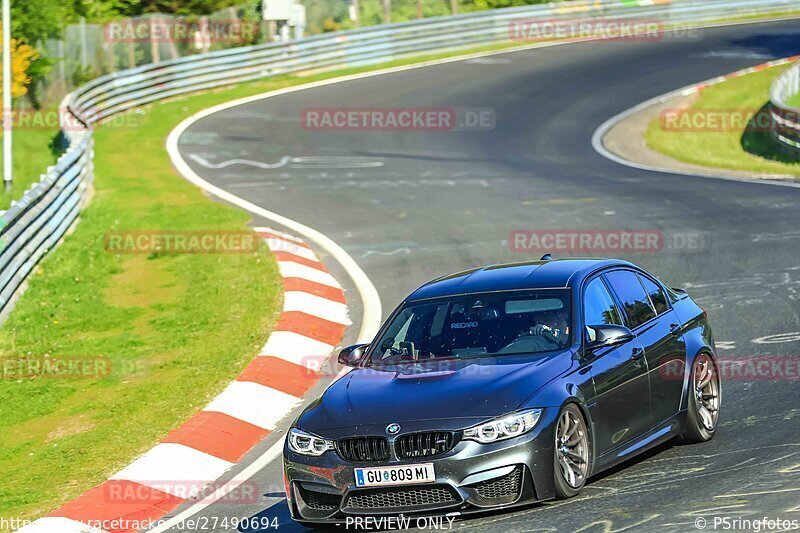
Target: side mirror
x,y
606,335
352,355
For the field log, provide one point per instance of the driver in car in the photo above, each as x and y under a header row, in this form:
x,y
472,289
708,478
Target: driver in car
x,y
553,327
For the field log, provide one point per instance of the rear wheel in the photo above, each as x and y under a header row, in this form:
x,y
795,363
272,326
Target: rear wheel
x,y
704,401
571,453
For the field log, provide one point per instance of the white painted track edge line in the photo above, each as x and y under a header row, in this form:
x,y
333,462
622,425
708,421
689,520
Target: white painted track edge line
x,y
280,234
263,460
371,314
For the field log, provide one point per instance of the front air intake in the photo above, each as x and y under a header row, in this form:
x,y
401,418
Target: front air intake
x,y
363,449
417,445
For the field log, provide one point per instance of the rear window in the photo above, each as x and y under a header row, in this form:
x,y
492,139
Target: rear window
x,y
477,325
634,300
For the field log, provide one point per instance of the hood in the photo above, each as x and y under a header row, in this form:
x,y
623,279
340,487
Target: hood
x,y
469,389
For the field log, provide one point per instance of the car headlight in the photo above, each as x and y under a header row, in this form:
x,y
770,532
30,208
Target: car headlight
x,y
308,444
505,427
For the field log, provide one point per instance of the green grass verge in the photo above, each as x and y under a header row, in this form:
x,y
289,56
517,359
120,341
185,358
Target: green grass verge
x,y
738,149
34,150
795,100
177,328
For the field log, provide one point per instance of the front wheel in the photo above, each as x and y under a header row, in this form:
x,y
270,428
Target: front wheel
x,y
704,401
571,452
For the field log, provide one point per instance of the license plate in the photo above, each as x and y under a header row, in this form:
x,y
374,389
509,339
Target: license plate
x,y
394,475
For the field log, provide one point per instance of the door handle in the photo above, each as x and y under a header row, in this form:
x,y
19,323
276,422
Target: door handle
x,y
675,329
637,353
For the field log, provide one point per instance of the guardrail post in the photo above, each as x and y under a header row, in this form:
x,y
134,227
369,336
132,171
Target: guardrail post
x,y
785,129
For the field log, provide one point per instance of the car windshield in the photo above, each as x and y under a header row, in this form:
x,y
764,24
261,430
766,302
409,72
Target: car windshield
x,y
476,325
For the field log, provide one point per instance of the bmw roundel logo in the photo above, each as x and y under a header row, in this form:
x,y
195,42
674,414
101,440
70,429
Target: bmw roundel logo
x,y
393,428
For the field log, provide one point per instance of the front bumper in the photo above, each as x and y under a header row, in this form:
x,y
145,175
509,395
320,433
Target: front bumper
x,y
472,477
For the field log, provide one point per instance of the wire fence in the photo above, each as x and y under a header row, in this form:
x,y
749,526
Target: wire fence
x,y
88,51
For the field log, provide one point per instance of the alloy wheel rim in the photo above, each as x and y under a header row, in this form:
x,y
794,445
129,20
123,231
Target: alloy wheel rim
x,y
572,449
706,392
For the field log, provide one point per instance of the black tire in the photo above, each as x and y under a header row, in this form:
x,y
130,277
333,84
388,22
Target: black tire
x,y
696,427
564,489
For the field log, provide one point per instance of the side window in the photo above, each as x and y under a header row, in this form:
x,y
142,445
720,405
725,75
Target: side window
x,y
632,296
598,305
657,295
393,338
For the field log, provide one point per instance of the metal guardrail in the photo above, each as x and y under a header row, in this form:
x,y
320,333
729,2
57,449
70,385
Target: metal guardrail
x,y
38,220
786,118
34,224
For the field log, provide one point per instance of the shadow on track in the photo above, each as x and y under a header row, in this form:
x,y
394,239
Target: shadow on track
x,y
757,140
280,510
775,44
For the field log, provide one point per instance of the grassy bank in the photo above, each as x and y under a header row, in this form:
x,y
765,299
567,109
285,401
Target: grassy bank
x,y
747,148
34,150
795,101
176,328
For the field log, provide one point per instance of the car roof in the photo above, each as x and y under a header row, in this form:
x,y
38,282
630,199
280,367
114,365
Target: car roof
x,y
553,273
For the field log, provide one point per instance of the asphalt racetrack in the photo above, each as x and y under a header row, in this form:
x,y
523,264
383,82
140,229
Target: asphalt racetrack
x,y
411,205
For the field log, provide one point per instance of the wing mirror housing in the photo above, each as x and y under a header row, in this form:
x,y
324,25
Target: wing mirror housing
x,y
607,335
352,355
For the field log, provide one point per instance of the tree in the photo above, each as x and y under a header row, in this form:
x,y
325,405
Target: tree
x,y
184,7
329,25
22,55
37,20
480,5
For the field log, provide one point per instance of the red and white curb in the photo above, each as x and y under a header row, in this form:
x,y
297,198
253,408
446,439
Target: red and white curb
x,y
738,74
197,453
